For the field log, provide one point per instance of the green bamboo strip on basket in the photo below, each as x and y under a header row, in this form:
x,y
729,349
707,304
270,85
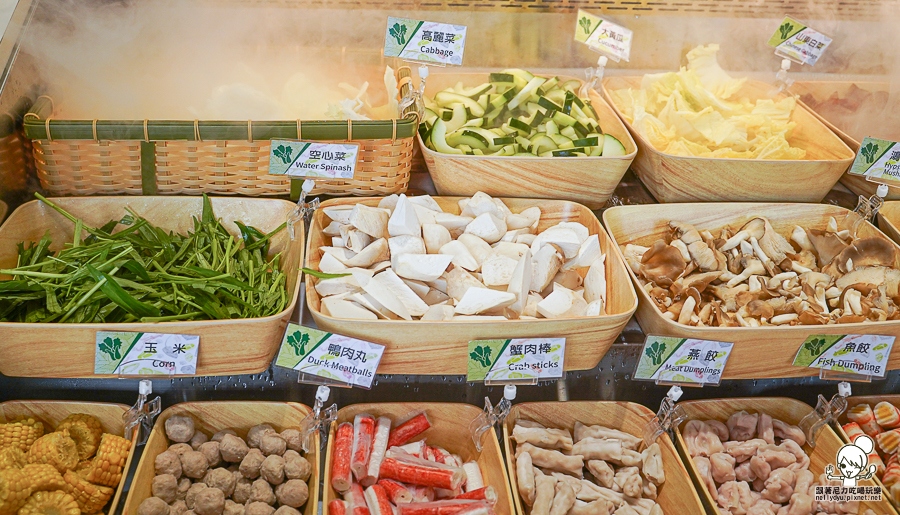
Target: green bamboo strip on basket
x,y
296,188
148,168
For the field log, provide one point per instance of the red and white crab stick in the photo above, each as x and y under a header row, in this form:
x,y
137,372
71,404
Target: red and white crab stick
x,y
343,447
356,500
447,507
337,507
363,434
398,493
408,430
485,493
420,472
379,448
378,501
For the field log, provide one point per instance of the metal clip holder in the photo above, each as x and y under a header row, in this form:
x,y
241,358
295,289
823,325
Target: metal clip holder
x,y
304,210
492,415
416,95
139,419
594,76
826,412
782,82
667,418
318,419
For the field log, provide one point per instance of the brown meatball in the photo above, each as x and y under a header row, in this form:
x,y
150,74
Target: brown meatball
x,y
198,439
251,463
222,479
293,493
192,492
286,510
210,501
164,486
221,434
153,506
296,466
211,451
258,508
180,429
256,433
177,508
233,449
233,508
293,438
271,444
194,464
272,469
167,462
180,448
184,484
242,490
261,491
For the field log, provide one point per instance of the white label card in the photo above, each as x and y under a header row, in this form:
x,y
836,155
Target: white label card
x,y
798,42
425,41
682,360
864,354
516,360
138,354
603,36
312,159
328,355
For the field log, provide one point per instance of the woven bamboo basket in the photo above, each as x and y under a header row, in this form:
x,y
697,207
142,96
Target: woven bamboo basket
x,y
212,417
785,409
758,351
417,347
871,400
51,413
673,178
449,430
239,346
677,495
587,180
156,157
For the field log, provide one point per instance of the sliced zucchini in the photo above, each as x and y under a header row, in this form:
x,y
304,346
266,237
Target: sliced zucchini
x,y
438,138
526,92
612,146
586,142
458,119
445,98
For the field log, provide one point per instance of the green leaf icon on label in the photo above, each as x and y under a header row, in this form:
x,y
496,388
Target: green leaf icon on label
x,y
869,151
112,347
815,345
585,24
298,342
398,32
785,29
655,352
284,152
482,354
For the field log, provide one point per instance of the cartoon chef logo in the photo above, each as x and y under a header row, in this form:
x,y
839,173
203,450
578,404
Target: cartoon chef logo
x,y
853,462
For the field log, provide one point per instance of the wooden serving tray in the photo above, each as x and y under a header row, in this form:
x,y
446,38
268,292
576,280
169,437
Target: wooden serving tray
x,y
785,409
212,417
673,178
244,346
51,413
677,495
588,180
417,347
449,429
871,400
758,352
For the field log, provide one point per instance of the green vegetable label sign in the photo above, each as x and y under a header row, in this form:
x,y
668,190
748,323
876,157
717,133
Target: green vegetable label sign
x,y
856,353
314,160
137,354
425,41
798,42
878,160
682,360
603,36
330,356
520,360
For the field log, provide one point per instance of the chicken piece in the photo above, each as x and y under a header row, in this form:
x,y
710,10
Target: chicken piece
x,y
792,447
563,499
553,460
801,504
700,439
743,472
543,437
628,479
704,470
602,472
787,431
779,486
742,426
719,428
649,490
763,507
545,489
598,449
652,467
764,429
525,477
769,458
735,497
629,441
743,451
598,507
722,467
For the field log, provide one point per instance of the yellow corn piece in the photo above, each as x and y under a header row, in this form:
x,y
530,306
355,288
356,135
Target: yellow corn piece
x,y
91,498
109,463
57,449
56,502
85,430
12,457
14,491
44,477
20,433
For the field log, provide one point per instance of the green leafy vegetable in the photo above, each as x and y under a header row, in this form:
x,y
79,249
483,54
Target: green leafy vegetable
x,y
869,151
482,354
322,275
655,352
785,29
298,342
284,152
398,32
585,24
112,347
815,345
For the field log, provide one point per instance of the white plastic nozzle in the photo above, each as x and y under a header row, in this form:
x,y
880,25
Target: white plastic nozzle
x,y
882,190
602,61
509,392
844,389
423,71
675,393
145,387
785,64
322,393
308,185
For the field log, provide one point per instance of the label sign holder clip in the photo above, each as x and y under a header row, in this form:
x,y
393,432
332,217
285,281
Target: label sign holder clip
x,y
139,419
668,417
304,210
491,415
825,412
318,419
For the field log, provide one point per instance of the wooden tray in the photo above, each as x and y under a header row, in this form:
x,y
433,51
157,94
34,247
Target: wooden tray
x,y
243,346
588,180
673,178
212,417
871,400
677,495
449,429
889,219
785,409
51,413
416,347
758,352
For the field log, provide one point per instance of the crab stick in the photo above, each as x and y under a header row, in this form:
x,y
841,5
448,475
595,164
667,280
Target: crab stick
x,y
409,430
421,493
887,415
356,500
447,507
891,473
862,414
474,481
340,468
379,448
889,441
417,449
363,434
337,507
853,430
412,472
397,493
378,502
485,493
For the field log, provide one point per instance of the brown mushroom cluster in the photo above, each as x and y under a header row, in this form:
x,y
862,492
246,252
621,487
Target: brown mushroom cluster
x,y
756,277
225,474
